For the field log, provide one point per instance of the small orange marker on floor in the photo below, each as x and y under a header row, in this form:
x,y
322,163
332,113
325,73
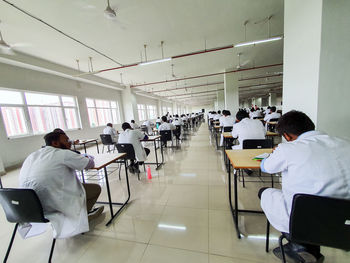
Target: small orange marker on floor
x,y
149,174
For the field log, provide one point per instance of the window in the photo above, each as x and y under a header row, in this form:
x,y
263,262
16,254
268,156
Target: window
x,y
152,111
170,110
141,108
164,110
102,112
26,113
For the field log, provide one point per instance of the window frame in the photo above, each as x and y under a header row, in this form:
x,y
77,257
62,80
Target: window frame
x,y
25,107
110,108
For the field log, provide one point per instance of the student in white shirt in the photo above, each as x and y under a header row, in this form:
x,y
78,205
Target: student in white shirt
x,y
226,121
272,115
111,131
246,128
134,136
149,126
217,116
50,172
311,162
134,125
165,125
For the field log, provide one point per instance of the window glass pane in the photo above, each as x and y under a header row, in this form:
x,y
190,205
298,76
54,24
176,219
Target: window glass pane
x,y
104,116
90,103
92,117
115,116
10,97
113,104
71,118
42,99
102,103
45,119
68,101
14,121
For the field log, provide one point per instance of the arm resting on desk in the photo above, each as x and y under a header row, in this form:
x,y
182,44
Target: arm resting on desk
x,y
275,163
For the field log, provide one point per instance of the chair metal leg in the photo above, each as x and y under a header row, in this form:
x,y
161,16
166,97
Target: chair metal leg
x,y
281,247
120,166
243,179
52,248
103,149
271,180
11,242
267,236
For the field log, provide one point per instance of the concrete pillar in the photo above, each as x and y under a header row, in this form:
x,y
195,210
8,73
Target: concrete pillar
x,y
272,99
317,61
231,92
129,105
221,99
159,112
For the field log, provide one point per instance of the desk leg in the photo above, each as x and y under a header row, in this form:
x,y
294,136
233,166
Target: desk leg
x,y
216,140
233,210
161,150
109,194
1,183
98,151
236,202
85,147
82,176
155,152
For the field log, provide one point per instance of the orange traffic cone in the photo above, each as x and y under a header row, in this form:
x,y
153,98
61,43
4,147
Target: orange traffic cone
x,y
149,174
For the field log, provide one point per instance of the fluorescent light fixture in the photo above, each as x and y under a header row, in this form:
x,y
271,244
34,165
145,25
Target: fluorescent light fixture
x,y
172,227
258,41
154,61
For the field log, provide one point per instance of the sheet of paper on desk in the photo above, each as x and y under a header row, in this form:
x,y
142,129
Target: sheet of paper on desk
x,y
261,156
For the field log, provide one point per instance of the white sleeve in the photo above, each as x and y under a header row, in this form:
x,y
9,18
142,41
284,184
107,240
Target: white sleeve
x,y
74,160
276,162
235,131
140,135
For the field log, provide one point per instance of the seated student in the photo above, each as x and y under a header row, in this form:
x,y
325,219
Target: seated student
x,y
165,126
58,130
256,114
217,116
134,125
311,162
149,126
272,115
134,136
158,122
246,128
251,112
226,121
50,172
111,131
268,110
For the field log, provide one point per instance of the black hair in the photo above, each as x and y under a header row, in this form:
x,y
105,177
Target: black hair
x,y
125,126
52,137
109,124
228,113
273,108
241,115
294,122
219,111
252,109
58,130
132,121
164,118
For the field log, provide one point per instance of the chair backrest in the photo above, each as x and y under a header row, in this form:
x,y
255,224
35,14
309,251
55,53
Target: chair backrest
x,y
165,135
322,221
177,130
228,129
21,206
144,128
257,144
106,139
128,149
273,119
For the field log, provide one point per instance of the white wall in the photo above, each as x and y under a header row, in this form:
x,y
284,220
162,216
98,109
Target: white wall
x,y
14,151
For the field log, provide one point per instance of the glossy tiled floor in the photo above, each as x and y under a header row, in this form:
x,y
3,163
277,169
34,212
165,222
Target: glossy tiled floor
x,y
181,215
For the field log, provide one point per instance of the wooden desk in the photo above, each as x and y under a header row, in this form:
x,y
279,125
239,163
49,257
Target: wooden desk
x,y
269,133
101,162
154,139
272,122
241,159
87,141
227,134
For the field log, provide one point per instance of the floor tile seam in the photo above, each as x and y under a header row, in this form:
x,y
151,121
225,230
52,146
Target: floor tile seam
x,y
189,250
238,258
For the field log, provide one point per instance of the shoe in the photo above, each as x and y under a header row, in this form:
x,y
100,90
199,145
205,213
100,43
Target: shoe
x,y
299,255
136,169
96,212
131,169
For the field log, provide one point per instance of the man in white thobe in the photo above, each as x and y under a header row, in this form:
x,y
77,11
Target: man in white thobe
x,y
226,121
50,172
311,162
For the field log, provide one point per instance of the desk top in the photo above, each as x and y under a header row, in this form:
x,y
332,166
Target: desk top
x,y
102,160
272,122
268,133
243,159
227,134
85,141
151,138
217,127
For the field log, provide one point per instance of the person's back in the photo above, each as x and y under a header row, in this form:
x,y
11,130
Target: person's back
x,y
247,129
134,125
111,131
134,137
272,115
165,125
177,122
227,121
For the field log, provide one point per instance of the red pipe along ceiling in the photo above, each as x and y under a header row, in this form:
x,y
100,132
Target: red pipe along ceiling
x,y
173,57
189,87
206,75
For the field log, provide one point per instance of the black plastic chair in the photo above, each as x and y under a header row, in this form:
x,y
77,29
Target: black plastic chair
x,y
319,221
272,127
177,134
127,148
22,206
166,136
257,144
228,129
106,140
